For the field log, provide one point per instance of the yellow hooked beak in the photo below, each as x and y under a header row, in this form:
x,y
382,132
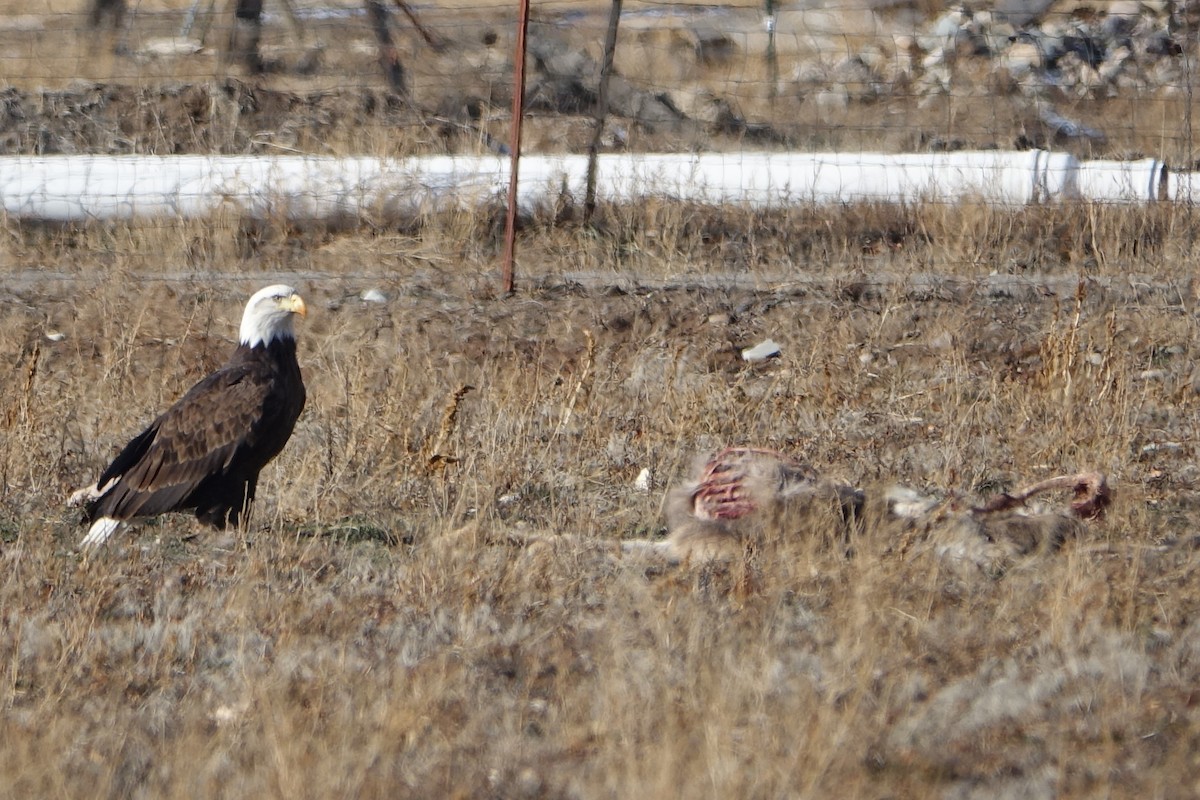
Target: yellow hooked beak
x,y
294,304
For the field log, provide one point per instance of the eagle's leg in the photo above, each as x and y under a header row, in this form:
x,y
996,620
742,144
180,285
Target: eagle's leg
x,y
229,510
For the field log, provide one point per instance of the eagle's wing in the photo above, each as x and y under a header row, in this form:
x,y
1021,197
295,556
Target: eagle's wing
x,y
199,437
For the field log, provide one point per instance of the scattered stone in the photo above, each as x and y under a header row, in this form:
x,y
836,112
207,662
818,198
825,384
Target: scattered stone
x,y
642,482
1162,447
170,47
761,351
1032,54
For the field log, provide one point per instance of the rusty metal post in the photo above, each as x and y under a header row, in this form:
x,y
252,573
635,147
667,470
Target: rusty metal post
x,y
518,107
610,47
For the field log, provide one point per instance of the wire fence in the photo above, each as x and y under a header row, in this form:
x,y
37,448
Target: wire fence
x,y
391,79
1113,82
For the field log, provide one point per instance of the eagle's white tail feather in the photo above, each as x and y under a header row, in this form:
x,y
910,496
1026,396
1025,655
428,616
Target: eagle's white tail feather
x,y
100,532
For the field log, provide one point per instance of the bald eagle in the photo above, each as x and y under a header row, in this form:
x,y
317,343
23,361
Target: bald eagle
x,y
204,453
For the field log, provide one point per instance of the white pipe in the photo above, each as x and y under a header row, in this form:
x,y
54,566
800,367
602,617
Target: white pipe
x,y
73,188
1123,181
761,179
1184,187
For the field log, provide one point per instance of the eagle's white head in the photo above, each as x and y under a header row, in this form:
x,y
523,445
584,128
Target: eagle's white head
x,y
269,315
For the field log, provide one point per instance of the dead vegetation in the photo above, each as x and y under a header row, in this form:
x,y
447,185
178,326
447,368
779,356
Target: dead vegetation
x,y
318,87
370,634
375,632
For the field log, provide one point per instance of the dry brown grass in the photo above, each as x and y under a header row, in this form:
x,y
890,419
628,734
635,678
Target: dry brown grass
x,y
367,636
363,638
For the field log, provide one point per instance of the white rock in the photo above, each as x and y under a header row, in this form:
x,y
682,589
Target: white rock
x,y
642,482
1022,57
169,47
761,351
55,336
1114,63
1122,16
832,99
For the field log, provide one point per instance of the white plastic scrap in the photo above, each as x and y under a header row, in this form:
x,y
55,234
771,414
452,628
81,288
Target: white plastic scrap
x,y
643,481
761,351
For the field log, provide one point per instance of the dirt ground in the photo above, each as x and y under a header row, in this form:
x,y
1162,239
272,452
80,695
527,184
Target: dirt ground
x,y
384,626
376,632
680,84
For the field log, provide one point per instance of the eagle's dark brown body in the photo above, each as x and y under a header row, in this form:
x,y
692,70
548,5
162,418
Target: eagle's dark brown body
x,y
205,452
